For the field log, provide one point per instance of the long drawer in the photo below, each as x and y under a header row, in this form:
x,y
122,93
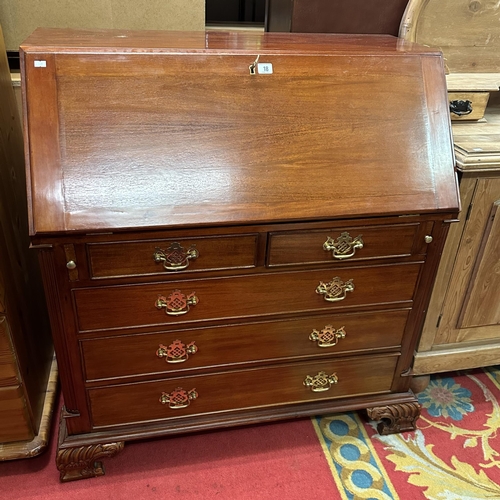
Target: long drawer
x,y
172,256
168,352
234,390
242,296
341,244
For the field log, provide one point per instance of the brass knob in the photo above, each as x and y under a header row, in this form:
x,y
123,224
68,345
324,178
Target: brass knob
x,y
71,264
428,239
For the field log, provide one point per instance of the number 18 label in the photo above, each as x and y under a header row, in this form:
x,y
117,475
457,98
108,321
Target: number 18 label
x,y
265,68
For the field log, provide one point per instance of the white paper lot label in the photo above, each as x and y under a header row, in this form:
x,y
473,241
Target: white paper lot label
x,y
265,68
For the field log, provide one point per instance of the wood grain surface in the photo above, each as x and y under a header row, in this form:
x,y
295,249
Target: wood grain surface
x,y
229,345
165,144
465,30
240,389
159,138
239,297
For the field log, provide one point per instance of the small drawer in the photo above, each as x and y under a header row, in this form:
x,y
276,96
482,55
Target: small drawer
x,y
257,295
467,105
177,398
170,352
341,244
171,256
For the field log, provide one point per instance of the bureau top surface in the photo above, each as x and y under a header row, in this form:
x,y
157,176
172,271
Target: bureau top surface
x,y
148,129
107,40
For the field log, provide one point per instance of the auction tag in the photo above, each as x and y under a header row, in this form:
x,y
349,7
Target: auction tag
x,y
265,68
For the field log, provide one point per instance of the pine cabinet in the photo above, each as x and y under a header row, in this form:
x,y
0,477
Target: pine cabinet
x,y
462,327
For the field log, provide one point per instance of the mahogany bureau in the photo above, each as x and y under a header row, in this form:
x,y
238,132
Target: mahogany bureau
x,y
233,228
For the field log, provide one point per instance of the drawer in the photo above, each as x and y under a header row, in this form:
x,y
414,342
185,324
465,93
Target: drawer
x,y
136,258
468,105
242,296
341,244
236,390
15,424
168,352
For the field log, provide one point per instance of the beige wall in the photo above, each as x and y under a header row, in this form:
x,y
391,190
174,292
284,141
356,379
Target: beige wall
x,y
20,17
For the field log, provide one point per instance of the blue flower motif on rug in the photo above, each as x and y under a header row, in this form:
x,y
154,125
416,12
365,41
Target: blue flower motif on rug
x,y
443,397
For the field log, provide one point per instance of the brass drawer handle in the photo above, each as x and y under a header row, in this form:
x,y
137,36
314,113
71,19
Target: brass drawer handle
x,y
320,382
178,398
344,246
335,290
176,352
328,337
461,107
175,258
176,303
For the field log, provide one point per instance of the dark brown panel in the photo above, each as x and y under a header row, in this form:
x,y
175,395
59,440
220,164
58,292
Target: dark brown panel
x,y
347,16
278,15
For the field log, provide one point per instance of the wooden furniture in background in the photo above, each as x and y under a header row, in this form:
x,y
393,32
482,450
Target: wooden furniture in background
x,y
335,16
467,33
462,329
224,232
26,352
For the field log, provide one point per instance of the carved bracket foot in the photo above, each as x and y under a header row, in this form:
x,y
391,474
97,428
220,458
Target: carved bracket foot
x,y
395,418
82,462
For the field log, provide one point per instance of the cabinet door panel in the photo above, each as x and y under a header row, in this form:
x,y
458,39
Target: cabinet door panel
x,y
482,303
459,322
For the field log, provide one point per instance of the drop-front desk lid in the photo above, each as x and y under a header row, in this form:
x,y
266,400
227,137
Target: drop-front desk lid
x,y
156,129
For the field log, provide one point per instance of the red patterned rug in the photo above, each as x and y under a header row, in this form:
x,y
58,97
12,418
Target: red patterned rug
x,y
454,455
